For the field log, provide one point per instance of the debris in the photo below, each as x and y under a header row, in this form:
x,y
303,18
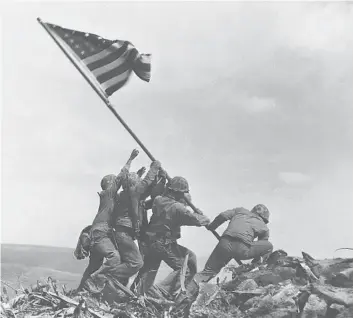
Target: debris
x,y
285,286
315,307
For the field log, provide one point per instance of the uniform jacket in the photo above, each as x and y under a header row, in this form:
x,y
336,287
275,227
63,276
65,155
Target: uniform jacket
x,y
168,215
244,225
129,211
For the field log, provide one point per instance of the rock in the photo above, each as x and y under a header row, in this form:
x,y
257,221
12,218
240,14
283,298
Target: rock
x,y
347,313
285,297
327,267
334,310
206,291
342,296
261,306
315,307
268,278
248,284
281,313
343,278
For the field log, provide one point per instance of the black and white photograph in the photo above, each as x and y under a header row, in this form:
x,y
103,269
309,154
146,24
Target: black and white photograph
x,y
175,159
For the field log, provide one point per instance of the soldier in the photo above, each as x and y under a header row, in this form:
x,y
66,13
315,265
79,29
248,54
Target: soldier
x,y
101,231
163,231
83,248
236,242
130,217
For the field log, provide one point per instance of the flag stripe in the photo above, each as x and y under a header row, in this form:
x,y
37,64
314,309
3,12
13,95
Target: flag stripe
x,y
115,87
110,63
115,80
105,68
100,55
143,66
113,55
114,72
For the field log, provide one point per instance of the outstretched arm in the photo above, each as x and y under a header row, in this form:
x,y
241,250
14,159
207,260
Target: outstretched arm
x,y
123,172
221,218
149,178
185,217
133,155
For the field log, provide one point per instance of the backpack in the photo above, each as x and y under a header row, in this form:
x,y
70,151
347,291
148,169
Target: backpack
x,y
83,244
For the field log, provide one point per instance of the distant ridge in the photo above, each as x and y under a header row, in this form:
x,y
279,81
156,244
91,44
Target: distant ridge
x,y
28,263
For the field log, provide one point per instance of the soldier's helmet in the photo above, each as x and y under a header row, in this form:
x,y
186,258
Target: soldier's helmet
x,y
107,181
179,184
131,180
262,211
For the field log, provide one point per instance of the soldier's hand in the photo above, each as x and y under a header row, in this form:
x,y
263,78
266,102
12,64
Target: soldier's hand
x,y
162,173
198,211
134,154
156,164
210,227
141,171
137,234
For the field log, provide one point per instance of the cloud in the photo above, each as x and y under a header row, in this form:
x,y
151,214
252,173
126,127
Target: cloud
x,y
259,105
294,178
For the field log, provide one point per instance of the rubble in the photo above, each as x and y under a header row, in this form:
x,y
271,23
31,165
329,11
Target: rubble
x,y
283,287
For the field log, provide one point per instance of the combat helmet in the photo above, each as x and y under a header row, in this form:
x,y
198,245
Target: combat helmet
x,y
107,181
179,184
262,211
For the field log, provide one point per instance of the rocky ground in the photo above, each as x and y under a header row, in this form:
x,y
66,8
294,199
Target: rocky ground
x,y
283,287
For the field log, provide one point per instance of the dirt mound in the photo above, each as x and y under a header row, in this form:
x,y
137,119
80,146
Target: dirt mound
x,y
284,286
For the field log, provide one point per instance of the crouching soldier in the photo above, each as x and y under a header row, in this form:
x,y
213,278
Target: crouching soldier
x,y
238,242
129,216
102,246
168,215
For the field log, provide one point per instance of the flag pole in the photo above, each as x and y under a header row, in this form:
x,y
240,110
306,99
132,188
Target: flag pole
x,y
105,99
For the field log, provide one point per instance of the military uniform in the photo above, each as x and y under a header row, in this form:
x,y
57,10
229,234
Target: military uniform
x,y
130,218
163,232
236,242
102,246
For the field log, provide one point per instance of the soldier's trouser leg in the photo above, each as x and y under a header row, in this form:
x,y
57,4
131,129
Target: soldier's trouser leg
x,y
147,274
220,257
95,262
260,249
174,255
227,249
104,246
131,258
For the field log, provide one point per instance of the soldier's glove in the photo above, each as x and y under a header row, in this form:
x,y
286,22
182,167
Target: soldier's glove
x,y
137,231
210,227
134,154
136,234
156,164
162,173
141,171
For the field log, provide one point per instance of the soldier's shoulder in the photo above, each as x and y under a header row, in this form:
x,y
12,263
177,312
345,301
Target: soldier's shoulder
x,y
158,199
178,206
241,210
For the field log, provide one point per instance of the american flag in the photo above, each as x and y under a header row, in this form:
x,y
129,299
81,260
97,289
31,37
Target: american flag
x,y
110,62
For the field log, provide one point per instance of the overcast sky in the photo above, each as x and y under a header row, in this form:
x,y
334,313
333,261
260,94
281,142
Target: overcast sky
x,y
251,102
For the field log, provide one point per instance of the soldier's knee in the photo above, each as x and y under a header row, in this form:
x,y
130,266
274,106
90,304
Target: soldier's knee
x,y
269,247
136,266
192,262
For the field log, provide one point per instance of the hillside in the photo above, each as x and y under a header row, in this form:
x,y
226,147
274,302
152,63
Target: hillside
x,y
28,263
